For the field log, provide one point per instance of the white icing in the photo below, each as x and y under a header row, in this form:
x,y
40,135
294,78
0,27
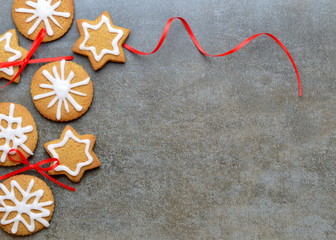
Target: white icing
x,y
104,20
62,89
43,10
17,54
15,136
69,135
23,207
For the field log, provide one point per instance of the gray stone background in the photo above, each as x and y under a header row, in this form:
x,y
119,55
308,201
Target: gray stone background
x,y
195,147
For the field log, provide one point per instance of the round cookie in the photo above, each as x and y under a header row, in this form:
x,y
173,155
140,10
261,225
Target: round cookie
x,y
30,16
62,91
26,205
17,131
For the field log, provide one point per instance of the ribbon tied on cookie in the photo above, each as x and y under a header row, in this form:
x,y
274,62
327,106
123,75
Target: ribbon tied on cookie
x,y
37,166
27,60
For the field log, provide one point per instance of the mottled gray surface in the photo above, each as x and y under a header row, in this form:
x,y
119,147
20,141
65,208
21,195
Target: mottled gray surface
x,y
201,148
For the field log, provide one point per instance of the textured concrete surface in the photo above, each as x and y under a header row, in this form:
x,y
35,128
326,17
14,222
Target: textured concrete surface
x,y
201,148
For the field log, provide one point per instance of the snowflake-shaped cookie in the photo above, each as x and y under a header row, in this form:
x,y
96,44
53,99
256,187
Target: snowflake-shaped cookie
x,y
23,203
13,133
62,89
43,10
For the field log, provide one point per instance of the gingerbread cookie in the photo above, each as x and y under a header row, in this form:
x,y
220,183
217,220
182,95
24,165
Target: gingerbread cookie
x,y
62,91
101,41
30,16
26,205
10,51
75,153
17,131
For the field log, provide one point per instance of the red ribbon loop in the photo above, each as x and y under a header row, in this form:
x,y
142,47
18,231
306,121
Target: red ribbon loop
x,y
23,63
36,166
235,49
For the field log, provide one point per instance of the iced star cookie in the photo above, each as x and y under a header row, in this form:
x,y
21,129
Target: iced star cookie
x,y
26,205
17,131
75,153
62,91
101,41
30,16
10,51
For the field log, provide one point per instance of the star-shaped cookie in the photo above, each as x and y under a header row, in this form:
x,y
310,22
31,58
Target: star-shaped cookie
x,y
75,153
101,41
10,51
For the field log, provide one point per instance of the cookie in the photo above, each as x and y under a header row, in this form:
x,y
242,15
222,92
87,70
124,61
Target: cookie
x,y
101,41
10,51
26,205
30,16
62,91
75,153
17,131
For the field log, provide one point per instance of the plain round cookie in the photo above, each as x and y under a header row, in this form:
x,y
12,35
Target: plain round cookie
x,y
24,181
52,96
20,18
19,111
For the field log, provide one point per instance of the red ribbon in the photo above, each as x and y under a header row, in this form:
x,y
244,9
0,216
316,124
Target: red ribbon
x,y
28,60
37,167
235,49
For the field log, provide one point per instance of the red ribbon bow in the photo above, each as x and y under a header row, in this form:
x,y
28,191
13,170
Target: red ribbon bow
x,y
235,49
37,167
28,60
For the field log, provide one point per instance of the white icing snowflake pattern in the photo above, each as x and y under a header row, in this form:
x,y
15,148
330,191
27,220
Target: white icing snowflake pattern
x,y
34,210
62,89
43,10
13,133
17,54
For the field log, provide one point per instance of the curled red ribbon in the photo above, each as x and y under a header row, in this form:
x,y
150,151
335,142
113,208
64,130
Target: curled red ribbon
x,y
28,60
37,167
235,49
